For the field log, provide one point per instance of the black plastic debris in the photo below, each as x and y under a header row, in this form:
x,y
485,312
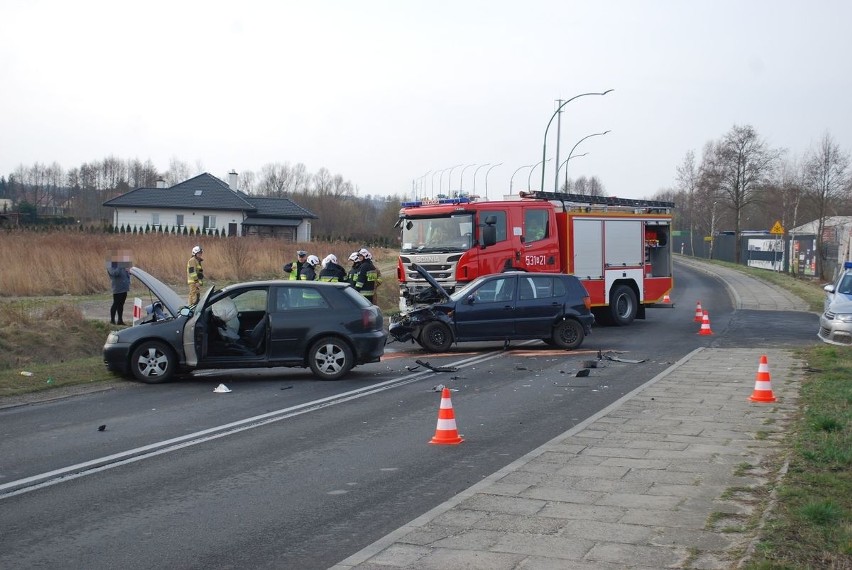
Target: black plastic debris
x,y
437,368
582,373
102,427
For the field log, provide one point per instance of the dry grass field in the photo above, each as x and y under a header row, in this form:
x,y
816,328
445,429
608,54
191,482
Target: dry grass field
x,y
37,264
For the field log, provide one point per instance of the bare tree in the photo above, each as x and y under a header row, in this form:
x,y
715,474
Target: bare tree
x,y
178,172
743,162
827,180
687,180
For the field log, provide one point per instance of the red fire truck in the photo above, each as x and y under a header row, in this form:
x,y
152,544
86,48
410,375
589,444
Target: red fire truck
x,y
619,248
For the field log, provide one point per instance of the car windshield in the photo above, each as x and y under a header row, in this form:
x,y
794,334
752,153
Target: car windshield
x,y
467,290
446,233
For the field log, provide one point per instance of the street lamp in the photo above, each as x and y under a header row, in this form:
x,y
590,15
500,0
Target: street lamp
x,y
512,179
474,175
572,152
544,146
566,168
450,180
486,178
529,178
422,184
461,180
432,190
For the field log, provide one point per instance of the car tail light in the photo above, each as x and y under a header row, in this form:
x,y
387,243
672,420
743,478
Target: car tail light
x,y
368,319
588,302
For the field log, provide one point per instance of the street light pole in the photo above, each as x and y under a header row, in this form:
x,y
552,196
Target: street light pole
x,y
432,190
422,184
512,179
450,180
572,152
566,168
544,146
474,175
486,178
461,180
529,178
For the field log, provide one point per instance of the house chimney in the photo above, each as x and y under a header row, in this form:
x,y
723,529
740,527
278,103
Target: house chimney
x,y
232,180
161,183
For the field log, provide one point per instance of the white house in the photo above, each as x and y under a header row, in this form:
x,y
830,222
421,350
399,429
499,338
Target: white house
x,y
205,203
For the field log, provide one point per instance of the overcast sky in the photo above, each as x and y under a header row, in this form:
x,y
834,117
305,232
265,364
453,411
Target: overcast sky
x,y
384,92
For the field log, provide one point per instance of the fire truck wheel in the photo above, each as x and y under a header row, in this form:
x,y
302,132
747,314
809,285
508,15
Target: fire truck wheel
x,y
622,305
568,334
436,337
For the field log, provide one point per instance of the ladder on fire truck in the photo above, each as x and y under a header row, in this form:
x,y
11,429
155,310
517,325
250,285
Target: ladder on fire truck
x,y
652,206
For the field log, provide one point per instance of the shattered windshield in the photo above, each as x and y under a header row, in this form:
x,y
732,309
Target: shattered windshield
x,y
443,234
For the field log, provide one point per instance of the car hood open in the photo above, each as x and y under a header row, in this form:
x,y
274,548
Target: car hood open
x,y
172,301
431,280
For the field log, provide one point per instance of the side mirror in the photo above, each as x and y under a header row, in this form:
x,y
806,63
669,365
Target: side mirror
x,y
829,288
470,300
185,311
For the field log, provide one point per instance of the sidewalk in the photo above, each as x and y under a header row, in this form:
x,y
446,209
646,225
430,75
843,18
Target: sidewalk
x,y
671,475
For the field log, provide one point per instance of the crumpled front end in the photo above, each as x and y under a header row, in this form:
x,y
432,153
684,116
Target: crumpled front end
x,y
407,326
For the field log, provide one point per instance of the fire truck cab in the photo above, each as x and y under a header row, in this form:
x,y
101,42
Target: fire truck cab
x,y
619,248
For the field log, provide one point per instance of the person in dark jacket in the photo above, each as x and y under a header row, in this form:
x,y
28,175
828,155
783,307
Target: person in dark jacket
x,y
309,269
294,268
368,275
352,274
119,277
331,270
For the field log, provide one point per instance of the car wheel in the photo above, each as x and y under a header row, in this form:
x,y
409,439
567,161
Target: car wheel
x,y
153,362
622,305
568,334
330,358
436,337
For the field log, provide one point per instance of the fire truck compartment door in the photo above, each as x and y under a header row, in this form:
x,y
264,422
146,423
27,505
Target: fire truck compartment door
x,y
587,246
624,243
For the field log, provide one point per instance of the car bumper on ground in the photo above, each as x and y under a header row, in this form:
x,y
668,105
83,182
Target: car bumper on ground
x,y
835,330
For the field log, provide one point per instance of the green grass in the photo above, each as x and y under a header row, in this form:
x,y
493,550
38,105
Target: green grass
x,y
811,526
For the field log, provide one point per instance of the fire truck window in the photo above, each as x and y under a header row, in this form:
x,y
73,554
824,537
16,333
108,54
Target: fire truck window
x,y
536,225
500,216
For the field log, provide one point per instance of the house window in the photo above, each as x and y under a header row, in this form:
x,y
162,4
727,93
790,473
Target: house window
x,y
209,223
179,220
155,220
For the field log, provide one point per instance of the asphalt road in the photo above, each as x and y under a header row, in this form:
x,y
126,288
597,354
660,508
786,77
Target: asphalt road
x,y
289,472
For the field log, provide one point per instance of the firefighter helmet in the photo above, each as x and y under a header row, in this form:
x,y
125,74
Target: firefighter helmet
x,y
313,260
196,250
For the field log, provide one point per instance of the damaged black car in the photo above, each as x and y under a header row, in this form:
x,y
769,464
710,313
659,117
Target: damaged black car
x,y
507,306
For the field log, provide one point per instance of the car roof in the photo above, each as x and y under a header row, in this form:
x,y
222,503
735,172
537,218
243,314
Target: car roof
x,y
285,283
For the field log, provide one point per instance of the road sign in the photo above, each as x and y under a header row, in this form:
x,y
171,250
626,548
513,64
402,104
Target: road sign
x,y
777,229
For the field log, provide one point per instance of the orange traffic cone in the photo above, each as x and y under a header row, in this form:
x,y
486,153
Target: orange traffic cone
x,y
667,299
446,432
705,324
699,313
762,384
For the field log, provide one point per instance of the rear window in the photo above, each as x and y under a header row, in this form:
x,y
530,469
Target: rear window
x,y
356,297
573,286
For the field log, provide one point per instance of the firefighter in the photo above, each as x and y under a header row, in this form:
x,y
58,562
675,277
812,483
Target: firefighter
x,y
331,270
352,274
294,268
368,275
309,271
195,275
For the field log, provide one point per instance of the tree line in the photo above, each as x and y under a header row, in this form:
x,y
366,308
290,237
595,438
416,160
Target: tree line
x,y
740,182
47,194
